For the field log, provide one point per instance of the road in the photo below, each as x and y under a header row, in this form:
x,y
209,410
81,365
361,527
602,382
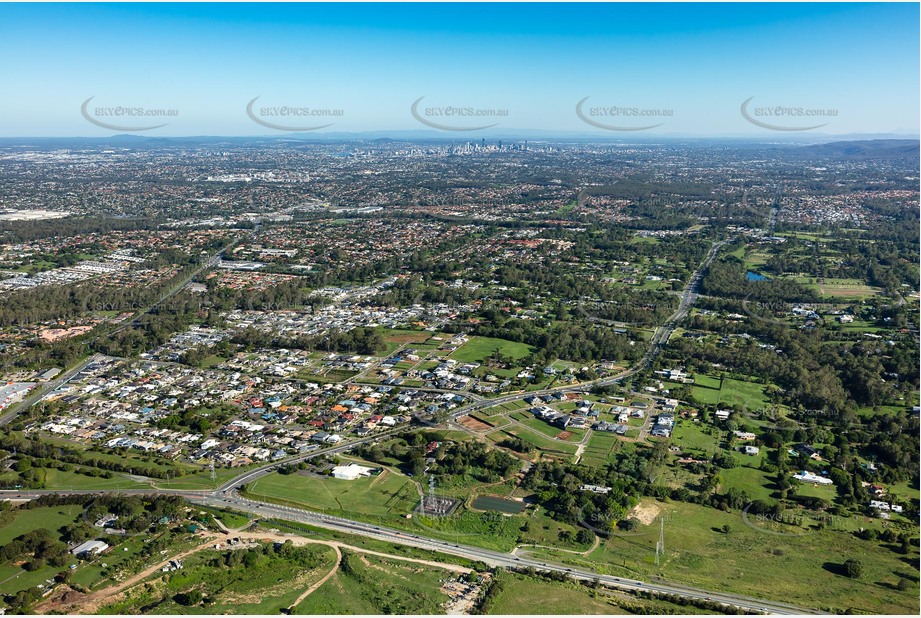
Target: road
x,y
226,495
43,389
656,343
493,558
212,261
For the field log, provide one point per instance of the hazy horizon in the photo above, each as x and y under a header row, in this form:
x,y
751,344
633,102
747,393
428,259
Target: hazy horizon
x,y
605,70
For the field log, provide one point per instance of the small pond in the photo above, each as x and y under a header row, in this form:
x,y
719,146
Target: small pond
x,y
495,503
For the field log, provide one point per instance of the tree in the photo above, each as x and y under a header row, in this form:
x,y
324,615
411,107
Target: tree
x,y
193,597
853,568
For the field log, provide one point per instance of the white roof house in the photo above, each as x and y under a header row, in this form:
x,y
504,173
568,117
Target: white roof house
x,y
351,472
90,548
809,477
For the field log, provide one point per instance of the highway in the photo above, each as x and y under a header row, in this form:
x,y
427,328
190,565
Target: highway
x,y
230,499
226,495
41,390
656,343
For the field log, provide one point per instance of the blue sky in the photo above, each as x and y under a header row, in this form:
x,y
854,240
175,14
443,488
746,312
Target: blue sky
x,y
537,61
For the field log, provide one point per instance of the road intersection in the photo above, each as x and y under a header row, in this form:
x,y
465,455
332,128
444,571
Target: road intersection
x,y
226,496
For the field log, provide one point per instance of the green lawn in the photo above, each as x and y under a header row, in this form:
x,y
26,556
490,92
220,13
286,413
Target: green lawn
x,y
373,585
751,480
56,479
542,427
479,348
691,436
525,595
753,562
26,520
747,394
537,439
599,448
706,381
709,390
388,494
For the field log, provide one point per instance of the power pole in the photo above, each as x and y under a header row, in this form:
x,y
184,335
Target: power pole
x,y
660,544
662,533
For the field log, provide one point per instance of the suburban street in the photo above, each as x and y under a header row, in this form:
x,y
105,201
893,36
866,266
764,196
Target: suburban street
x,y
226,495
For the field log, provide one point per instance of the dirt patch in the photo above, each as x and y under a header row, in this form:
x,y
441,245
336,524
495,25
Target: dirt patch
x,y
378,567
646,512
472,423
380,477
63,595
564,435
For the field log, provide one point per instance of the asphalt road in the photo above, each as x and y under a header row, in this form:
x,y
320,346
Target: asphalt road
x,y
493,558
226,496
42,389
656,343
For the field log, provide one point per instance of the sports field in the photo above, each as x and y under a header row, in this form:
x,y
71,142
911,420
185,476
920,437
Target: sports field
x,y
387,494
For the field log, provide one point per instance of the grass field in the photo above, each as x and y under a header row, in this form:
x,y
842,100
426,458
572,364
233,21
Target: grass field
x,y
388,494
599,448
57,479
542,427
751,480
389,502
394,338
266,585
728,391
706,381
691,436
539,440
843,288
753,562
374,585
525,595
26,520
479,348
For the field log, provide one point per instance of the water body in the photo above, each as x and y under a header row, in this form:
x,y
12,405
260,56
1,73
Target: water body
x,y
495,503
753,276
